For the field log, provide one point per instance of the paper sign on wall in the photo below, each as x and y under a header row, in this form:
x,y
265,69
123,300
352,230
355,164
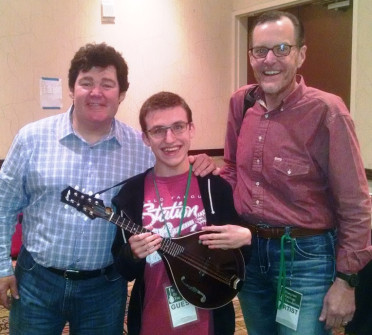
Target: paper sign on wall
x,y
50,93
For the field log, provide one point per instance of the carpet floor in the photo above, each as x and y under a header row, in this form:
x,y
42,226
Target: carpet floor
x,y
239,321
240,327
239,330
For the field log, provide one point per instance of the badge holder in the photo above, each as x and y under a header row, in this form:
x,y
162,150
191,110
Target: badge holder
x,y
288,301
181,311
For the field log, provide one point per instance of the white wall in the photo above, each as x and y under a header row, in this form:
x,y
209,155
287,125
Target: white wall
x,y
179,45
362,77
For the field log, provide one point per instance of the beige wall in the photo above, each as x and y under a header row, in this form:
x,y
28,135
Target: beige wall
x,y
361,85
177,45
187,46
362,77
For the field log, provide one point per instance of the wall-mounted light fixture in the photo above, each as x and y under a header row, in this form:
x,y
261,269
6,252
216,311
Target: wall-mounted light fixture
x,y
107,11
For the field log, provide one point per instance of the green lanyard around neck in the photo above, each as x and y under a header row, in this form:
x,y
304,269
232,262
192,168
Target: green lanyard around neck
x,y
184,201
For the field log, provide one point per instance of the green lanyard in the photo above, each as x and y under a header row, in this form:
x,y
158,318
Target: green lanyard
x,y
184,201
282,270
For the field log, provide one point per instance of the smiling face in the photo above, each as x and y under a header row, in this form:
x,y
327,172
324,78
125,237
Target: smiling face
x,y
276,75
96,100
171,151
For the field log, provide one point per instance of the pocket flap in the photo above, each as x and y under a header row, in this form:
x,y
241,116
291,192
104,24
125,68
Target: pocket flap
x,y
290,167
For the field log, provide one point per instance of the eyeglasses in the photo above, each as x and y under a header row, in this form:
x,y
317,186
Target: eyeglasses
x,y
279,50
160,132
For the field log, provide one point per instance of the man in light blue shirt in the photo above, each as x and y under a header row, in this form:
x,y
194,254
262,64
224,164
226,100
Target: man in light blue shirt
x,y
64,271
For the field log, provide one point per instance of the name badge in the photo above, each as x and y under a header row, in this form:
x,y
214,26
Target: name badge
x,y
290,311
181,311
153,258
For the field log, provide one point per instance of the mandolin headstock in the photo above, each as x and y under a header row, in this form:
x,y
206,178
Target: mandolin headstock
x,y
90,206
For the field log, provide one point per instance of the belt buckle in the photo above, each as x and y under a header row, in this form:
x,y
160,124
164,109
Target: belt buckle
x,y
262,225
67,273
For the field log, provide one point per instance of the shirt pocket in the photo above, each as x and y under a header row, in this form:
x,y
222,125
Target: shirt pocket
x,y
290,167
290,178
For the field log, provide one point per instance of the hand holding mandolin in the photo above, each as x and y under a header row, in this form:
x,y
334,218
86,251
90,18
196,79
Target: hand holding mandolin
x,y
226,236
144,244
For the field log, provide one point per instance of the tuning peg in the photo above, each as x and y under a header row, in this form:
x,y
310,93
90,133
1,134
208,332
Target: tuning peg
x,y
76,187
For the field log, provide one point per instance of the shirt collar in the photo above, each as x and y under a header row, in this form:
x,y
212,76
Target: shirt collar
x,y
66,129
290,99
297,93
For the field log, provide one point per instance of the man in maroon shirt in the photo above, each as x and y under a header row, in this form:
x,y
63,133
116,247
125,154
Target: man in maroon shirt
x,y
294,162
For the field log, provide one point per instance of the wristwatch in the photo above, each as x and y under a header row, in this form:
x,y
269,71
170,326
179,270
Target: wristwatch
x,y
351,279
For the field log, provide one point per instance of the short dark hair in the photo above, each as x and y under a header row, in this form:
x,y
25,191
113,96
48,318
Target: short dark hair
x,y
101,55
275,15
162,100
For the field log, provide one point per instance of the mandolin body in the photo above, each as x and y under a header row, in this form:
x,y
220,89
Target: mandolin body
x,y
207,278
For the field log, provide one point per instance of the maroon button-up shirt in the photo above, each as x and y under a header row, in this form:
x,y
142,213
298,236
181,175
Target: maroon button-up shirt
x,y
300,165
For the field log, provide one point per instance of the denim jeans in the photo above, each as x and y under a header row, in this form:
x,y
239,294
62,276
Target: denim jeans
x,y
47,301
311,273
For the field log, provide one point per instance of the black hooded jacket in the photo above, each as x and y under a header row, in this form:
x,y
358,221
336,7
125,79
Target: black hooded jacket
x,y
218,202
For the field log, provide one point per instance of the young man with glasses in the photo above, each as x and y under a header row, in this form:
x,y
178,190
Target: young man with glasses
x,y
169,201
294,163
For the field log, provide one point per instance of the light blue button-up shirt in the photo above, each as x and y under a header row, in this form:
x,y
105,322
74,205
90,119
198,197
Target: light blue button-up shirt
x,y
46,157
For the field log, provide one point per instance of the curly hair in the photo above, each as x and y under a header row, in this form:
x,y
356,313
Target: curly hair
x,y
101,55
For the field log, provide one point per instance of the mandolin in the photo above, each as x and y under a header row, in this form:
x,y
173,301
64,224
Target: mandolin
x,y
206,278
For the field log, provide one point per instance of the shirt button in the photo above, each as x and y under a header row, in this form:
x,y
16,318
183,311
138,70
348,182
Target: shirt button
x,y
257,183
257,202
282,109
289,171
260,138
266,116
258,161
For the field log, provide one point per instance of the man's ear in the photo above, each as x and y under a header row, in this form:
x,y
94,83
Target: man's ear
x,y
145,139
251,58
71,94
122,96
192,130
301,56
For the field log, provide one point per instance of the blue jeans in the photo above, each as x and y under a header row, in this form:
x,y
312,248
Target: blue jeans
x,y
311,273
47,301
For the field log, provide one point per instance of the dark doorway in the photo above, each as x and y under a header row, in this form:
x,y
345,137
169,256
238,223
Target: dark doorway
x,y
328,58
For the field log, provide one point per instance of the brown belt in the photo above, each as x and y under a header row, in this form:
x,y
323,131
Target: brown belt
x,y
264,231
